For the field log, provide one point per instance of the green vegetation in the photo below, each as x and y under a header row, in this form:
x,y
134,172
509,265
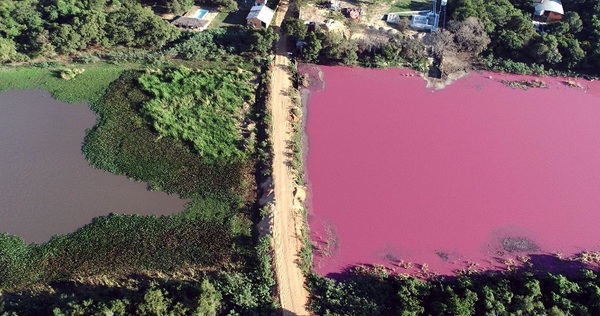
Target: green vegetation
x,y
145,296
134,244
31,29
569,45
195,133
296,113
375,50
178,6
124,142
205,108
410,5
374,292
227,19
213,233
497,35
88,86
182,293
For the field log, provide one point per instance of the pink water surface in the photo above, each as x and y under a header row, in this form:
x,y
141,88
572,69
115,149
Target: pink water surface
x,y
401,173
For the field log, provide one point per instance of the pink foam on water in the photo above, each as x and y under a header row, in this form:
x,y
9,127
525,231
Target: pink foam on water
x,y
398,172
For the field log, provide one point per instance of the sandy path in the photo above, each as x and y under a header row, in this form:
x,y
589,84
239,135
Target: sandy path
x,y
287,222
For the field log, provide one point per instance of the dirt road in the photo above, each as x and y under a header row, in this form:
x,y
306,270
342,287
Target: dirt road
x,y
287,222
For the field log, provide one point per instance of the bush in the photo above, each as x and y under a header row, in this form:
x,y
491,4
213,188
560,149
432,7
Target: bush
x,y
124,142
134,56
205,108
71,73
200,46
86,59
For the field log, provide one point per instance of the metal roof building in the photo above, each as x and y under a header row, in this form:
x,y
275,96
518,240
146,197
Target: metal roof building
x,y
260,16
548,11
550,6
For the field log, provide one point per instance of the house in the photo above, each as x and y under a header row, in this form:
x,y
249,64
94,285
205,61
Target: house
x,y
548,11
190,23
425,22
260,16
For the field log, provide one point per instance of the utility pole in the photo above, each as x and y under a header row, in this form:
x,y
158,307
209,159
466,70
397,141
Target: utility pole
x,y
443,12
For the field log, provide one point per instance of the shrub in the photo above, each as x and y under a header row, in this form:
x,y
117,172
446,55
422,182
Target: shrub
x,y
71,73
205,108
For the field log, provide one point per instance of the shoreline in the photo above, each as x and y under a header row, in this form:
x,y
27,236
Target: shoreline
x,y
485,79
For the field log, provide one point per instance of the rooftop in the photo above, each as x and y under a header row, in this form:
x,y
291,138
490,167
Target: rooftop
x,y
184,21
262,13
549,5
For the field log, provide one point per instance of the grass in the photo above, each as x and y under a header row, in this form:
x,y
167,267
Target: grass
x,y
410,5
235,18
202,107
86,87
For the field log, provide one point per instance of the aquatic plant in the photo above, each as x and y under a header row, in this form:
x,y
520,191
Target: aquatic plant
x,y
203,107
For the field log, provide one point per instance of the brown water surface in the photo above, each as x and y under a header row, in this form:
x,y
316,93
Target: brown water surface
x,y
46,185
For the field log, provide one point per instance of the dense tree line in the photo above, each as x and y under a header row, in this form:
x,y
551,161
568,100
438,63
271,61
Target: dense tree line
x,y
31,28
216,293
571,44
375,49
374,292
499,34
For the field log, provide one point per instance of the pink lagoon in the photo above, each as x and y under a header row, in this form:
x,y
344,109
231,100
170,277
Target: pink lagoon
x,y
473,176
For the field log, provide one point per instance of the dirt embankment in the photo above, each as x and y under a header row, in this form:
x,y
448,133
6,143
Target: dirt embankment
x,y
288,222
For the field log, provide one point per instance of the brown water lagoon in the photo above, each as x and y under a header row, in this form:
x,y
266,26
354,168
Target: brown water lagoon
x,y
46,185
474,176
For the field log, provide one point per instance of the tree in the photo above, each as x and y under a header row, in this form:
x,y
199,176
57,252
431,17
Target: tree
x,y
442,43
264,39
573,20
154,303
470,35
312,48
411,49
138,26
572,52
410,295
66,39
209,299
8,51
9,27
224,5
350,53
179,6
333,45
547,50
294,27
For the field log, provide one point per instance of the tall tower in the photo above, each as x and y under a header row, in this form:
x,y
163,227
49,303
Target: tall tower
x,y
443,12
435,16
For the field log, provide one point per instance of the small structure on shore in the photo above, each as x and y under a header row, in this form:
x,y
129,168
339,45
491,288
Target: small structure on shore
x,y
425,22
196,19
260,16
548,11
190,23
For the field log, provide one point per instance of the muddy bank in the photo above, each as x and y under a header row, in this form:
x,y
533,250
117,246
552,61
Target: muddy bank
x,y
46,185
312,80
